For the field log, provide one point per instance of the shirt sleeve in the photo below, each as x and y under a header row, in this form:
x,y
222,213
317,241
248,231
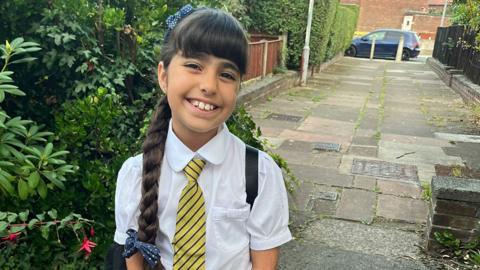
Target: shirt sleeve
x,y
268,220
127,198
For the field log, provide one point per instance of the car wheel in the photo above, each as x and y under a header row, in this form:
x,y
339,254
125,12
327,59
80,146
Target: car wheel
x,y
351,51
405,55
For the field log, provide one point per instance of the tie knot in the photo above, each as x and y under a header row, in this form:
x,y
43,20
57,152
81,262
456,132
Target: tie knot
x,y
193,169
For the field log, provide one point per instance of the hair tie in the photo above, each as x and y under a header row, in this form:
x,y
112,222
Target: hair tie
x,y
172,20
150,252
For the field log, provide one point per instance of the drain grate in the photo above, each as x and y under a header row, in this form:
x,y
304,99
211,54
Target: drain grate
x,y
335,147
385,169
284,117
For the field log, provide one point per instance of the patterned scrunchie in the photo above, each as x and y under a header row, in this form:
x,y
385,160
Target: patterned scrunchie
x,y
150,252
172,20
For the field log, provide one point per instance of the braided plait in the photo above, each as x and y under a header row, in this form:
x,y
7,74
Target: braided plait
x,y
153,150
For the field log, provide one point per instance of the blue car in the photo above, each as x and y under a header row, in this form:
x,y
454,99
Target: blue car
x,y
386,44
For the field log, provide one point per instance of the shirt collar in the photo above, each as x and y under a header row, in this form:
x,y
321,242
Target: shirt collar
x,y
178,154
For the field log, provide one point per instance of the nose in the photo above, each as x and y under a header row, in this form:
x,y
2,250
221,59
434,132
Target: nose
x,y
209,83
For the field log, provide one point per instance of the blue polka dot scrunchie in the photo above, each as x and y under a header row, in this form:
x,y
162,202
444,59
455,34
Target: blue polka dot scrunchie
x,y
150,252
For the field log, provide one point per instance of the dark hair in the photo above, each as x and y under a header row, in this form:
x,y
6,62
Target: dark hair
x,y
206,31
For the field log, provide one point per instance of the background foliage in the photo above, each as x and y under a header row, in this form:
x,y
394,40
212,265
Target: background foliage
x,y
78,100
327,17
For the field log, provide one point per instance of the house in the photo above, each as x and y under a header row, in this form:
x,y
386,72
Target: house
x,y
421,16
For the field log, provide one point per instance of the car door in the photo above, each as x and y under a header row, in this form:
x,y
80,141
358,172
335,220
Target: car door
x,y
365,43
390,43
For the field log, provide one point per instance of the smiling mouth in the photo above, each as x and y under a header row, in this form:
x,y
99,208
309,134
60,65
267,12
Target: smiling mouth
x,y
202,106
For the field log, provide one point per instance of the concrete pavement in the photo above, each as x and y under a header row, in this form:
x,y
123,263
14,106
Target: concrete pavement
x,y
363,137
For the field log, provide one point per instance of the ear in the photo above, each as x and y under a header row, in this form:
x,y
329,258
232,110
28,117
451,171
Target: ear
x,y
162,77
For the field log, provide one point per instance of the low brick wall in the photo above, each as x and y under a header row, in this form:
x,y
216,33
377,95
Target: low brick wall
x,y
469,91
259,90
455,207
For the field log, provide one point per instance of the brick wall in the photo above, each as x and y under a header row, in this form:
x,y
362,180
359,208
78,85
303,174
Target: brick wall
x,y
386,13
455,208
426,26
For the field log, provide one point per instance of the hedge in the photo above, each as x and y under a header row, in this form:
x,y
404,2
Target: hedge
x,y
333,25
342,30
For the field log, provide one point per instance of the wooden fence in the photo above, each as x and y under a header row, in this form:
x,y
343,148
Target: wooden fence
x,y
263,57
455,47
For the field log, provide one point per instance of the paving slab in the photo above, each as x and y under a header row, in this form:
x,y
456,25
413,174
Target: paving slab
x,y
357,205
296,157
364,182
327,160
399,189
324,125
402,209
414,153
364,151
322,176
367,239
363,141
314,256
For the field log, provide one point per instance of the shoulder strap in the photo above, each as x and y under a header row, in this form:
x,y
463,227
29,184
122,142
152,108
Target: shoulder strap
x,y
251,174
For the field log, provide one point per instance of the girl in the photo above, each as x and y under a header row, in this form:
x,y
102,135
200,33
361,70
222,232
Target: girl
x,y
184,198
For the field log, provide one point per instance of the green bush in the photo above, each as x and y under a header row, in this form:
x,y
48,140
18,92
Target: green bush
x,y
342,30
332,26
323,18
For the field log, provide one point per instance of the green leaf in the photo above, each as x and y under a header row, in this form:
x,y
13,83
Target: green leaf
x,y
33,180
23,215
45,230
77,226
3,225
48,149
32,223
53,177
15,92
28,44
12,217
5,184
16,229
59,153
3,215
23,60
8,86
42,189
41,216
23,189
52,213
16,42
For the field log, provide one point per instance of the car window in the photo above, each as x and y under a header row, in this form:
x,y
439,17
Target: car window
x,y
377,35
393,36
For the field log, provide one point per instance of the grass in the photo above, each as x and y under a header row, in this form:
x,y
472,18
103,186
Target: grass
x,y
426,191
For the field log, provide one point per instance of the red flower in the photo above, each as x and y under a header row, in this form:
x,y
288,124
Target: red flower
x,y
87,245
11,237
92,232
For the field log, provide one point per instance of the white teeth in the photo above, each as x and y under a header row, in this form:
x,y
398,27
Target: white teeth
x,y
203,106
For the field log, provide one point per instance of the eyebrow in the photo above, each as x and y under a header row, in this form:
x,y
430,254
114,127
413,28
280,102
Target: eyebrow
x,y
224,62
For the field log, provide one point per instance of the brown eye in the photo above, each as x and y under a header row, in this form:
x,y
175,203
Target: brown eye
x,y
229,76
193,66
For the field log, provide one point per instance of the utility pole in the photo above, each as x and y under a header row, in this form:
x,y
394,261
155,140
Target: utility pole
x,y
306,49
444,12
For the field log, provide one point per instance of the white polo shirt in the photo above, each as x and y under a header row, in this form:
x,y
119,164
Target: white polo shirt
x,y
232,229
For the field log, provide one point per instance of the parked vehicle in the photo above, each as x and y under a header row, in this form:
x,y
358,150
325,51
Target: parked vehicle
x,y
386,44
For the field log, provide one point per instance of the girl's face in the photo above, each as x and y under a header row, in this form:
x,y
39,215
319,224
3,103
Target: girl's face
x,y
202,92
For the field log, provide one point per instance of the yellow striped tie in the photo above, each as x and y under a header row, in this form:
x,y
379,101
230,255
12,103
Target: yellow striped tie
x,y
189,240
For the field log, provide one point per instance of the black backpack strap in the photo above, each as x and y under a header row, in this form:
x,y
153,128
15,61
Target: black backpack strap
x,y
114,259
251,174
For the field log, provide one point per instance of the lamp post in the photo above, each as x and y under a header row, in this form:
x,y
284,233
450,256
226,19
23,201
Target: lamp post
x,y
443,14
306,49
